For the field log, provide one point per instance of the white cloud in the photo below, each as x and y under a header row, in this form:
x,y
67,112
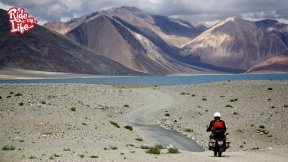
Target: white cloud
x,y
4,6
196,10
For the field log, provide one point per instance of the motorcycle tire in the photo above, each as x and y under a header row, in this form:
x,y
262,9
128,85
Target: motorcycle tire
x,y
215,152
220,150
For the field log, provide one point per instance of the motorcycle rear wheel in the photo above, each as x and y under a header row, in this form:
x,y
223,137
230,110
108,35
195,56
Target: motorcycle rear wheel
x,y
220,150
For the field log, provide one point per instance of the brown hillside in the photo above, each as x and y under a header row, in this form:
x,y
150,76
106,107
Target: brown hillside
x,y
274,64
41,49
110,38
237,43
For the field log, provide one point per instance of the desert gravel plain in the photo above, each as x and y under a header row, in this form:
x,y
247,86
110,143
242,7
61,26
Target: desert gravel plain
x,y
72,122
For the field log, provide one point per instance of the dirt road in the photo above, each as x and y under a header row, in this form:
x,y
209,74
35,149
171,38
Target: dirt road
x,y
158,102
142,121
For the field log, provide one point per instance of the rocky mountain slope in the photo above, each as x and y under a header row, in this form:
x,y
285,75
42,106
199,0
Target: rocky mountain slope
x,y
238,43
232,45
113,40
177,32
142,42
64,27
41,49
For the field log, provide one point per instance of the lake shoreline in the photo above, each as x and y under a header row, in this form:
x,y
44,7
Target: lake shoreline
x,y
23,74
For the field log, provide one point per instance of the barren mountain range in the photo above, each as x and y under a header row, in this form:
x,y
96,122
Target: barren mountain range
x,y
151,44
232,45
129,36
44,50
239,43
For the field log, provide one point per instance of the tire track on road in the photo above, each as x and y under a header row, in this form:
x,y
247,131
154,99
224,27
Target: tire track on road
x,y
142,121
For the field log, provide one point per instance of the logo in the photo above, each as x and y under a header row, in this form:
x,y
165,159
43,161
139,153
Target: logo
x,y
20,20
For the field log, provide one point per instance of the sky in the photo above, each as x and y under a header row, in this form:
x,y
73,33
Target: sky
x,y
208,11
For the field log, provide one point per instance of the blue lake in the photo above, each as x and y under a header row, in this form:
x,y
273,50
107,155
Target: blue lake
x,y
177,80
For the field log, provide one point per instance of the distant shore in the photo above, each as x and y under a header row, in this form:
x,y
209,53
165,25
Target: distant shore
x,y
16,73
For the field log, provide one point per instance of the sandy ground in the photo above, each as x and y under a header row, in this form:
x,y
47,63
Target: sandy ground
x,y
38,119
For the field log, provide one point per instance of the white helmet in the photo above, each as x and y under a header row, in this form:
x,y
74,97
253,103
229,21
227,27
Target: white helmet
x,y
217,114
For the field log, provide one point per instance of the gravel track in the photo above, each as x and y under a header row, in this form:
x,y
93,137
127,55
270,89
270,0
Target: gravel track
x,y
142,121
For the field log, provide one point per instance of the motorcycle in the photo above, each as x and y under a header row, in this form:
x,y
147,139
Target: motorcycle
x,y
219,143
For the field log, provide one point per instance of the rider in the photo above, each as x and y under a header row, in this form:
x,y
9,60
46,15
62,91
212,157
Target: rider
x,y
216,124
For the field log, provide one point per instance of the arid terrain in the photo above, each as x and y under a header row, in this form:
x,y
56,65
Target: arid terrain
x,y
161,45
72,122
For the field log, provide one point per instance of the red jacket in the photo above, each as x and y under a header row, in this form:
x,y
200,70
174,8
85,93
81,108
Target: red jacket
x,y
216,124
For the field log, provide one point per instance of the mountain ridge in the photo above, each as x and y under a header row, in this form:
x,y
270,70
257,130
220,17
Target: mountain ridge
x,y
41,49
161,45
127,49
237,43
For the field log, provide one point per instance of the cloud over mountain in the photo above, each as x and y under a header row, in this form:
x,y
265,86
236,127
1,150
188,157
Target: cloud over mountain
x,y
197,10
